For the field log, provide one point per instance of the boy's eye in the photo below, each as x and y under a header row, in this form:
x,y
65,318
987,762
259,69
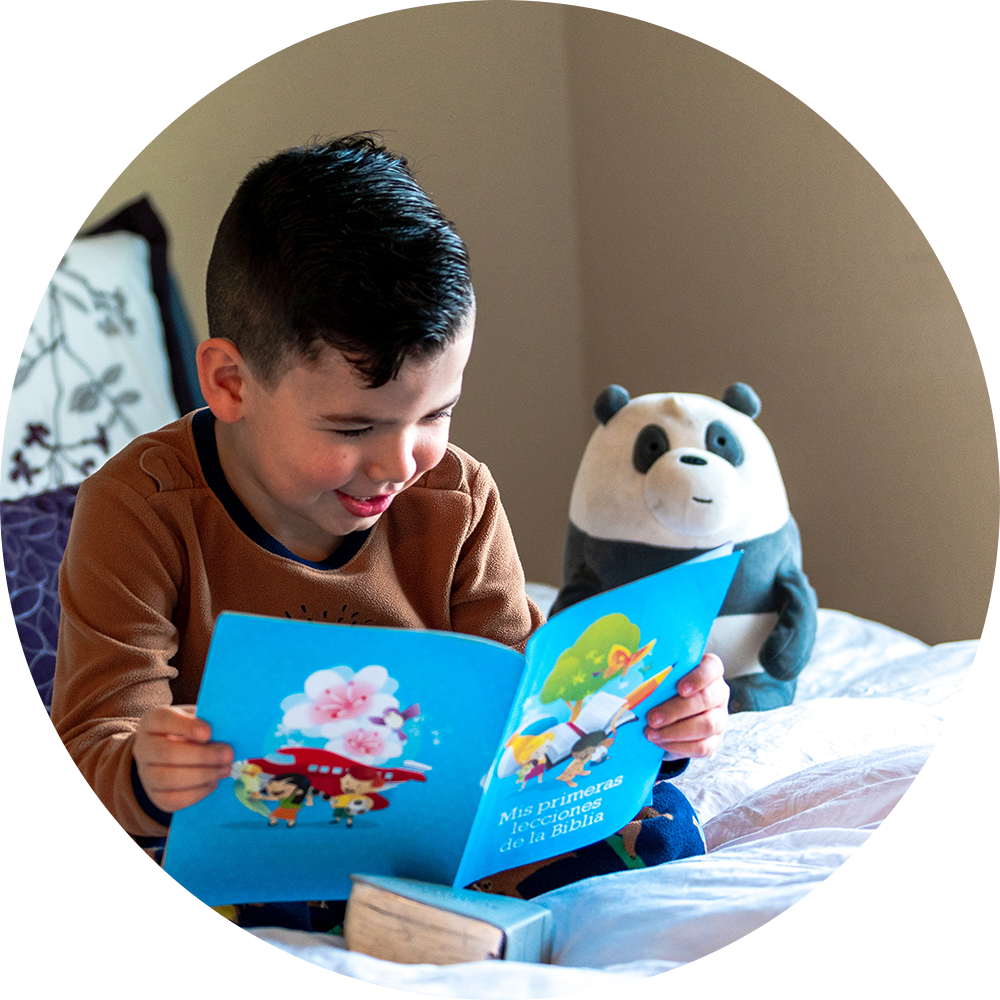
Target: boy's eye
x,y
441,415
361,431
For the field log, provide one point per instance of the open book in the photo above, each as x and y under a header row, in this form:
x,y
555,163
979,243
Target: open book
x,y
433,755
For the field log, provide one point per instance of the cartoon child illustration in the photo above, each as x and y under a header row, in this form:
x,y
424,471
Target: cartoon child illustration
x,y
533,767
350,806
340,780
290,791
583,750
357,793
601,712
529,753
588,746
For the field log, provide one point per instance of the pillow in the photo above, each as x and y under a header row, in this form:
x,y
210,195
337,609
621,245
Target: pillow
x,y
94,372
140,217
34,532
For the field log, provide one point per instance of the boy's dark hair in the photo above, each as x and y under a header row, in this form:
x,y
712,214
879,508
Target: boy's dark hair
x,y
336,244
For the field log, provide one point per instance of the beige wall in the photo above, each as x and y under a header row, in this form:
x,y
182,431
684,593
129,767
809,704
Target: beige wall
x,y
643,209
107,99
805,195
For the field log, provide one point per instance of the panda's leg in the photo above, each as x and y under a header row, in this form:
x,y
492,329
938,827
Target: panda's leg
x,y
758,692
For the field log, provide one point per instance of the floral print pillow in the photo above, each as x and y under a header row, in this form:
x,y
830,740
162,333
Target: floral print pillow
x,y
94,371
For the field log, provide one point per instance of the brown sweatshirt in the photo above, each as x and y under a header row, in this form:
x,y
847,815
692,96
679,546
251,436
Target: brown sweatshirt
x,y
159,546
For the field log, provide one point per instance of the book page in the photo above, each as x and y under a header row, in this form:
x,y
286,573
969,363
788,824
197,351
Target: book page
x,y
574,766
357,749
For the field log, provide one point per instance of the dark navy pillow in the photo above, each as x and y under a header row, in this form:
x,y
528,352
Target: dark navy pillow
x,y
34,530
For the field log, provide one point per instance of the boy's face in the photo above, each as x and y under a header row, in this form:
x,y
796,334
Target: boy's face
x,y
320,454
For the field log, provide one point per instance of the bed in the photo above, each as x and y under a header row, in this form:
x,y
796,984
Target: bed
x,y
854,836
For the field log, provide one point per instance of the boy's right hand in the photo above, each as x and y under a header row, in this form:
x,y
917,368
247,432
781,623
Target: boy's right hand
x,y
177,761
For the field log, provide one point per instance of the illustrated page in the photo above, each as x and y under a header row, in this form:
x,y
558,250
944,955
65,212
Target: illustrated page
x,y
357,750
574,766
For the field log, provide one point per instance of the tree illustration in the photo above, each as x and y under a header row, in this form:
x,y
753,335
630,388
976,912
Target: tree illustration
x,y
609,645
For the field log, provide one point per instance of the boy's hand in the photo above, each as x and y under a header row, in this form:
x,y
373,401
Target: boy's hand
x,y
691,723
177,762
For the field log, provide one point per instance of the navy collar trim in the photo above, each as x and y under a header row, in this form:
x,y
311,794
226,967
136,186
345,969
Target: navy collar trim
x,y
203,428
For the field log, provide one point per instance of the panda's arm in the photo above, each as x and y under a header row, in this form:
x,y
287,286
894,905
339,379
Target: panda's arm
x,y
571,593
790,644
579,579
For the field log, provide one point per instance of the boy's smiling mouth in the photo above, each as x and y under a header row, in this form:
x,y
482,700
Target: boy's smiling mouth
x,y
365,506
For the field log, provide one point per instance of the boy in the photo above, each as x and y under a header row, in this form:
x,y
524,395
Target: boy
x,y
318,484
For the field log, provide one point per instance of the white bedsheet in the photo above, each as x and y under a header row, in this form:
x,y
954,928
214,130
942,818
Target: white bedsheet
x,y
855,852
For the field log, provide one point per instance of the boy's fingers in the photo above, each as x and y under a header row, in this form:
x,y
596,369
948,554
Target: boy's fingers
x,y
176,720
172,797
177,762
707,672
184,774
681,742
163,779
705,725
707,699
169,751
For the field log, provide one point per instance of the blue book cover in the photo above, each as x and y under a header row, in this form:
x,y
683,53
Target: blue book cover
x,y
430,755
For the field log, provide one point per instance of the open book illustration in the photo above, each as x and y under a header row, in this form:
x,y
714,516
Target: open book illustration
x,y
433,755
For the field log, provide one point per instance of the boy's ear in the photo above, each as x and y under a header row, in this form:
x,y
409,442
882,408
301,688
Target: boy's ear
x,y
221,375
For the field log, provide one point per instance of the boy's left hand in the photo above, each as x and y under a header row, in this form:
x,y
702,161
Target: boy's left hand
x,y
691,724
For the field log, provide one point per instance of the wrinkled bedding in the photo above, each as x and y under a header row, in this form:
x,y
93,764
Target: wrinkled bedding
x,y
854,852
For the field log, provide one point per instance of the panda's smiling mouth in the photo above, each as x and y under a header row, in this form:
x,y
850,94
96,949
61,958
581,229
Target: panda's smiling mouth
x,y
701,500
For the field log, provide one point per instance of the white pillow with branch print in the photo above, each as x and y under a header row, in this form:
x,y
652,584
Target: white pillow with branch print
x,y
94,371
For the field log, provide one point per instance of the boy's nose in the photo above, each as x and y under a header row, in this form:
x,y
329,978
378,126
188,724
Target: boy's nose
x,y
394,463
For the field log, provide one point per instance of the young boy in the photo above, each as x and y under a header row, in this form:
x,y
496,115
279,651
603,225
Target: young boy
x,y
318,484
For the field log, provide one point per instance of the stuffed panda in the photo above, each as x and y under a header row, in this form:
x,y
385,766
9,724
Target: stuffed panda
x,y
669,476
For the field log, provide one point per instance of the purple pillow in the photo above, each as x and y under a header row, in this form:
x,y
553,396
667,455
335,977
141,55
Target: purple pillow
x,y
34,530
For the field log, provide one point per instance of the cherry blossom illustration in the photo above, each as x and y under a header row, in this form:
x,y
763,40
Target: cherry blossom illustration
x,y
347,708
366,744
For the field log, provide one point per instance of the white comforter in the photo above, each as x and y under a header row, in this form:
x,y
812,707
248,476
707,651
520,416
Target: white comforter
x,y
855,852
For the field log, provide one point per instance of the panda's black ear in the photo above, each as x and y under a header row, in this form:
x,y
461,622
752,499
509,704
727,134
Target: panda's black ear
x,y
741,397
610,402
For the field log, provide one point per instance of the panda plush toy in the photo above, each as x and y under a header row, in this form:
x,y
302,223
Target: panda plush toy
x,y
669,476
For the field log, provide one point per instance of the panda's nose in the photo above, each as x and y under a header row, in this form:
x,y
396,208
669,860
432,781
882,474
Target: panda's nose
x,y
693,460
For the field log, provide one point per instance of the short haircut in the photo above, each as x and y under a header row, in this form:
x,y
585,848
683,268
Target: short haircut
x,y
335,243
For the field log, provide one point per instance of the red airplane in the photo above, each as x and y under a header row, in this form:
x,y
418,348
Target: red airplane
x,y
324,769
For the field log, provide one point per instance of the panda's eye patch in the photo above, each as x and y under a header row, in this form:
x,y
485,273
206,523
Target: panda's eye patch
x,y
721,441
650,444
